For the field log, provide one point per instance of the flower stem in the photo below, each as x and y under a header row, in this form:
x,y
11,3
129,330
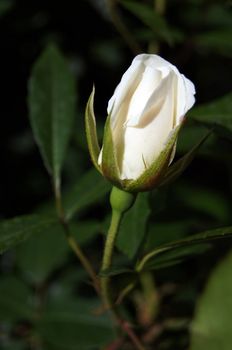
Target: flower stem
x,y
120,201
129,39
84,260
159,8
107,257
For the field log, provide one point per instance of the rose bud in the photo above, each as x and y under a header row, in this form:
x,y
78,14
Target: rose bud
x,y
145,114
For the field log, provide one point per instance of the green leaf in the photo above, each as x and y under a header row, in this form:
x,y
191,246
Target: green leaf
x,y
149,260
160,233
203,200
52,107
133,228
115,270
218,41
13,345
214,147
15,301
71,324
5,6
88,190
175,256
85,231
91,133
175,170
218,15
14,231
162,260
217,114
150,18
211,327
190,133
37,264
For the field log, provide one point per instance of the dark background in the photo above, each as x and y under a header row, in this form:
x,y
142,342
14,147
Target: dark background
x,y
98,54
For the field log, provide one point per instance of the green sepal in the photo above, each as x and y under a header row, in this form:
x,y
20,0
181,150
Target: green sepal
x,y
189,242
91,132
176,169
109,159
154,174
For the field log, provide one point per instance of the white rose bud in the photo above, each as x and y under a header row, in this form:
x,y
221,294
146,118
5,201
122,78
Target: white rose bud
x,y
144,117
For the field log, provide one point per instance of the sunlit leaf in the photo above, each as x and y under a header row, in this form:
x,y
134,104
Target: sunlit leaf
x,y
211,327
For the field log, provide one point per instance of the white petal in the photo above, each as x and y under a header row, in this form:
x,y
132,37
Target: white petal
x,y
125,89
190,92
156,100
184,97
154,62
147,105
143,144
150,80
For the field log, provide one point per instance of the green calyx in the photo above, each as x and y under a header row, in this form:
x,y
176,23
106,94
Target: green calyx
x,y
152,176
91,132
120,200
110,167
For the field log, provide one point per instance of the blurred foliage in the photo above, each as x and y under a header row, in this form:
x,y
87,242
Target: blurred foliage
x,y
175,232
211,326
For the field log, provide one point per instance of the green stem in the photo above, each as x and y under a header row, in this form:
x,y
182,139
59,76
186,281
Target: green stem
x,y
72,242
107,257
150,294
125,292
84,261
122,29
159,7
120,202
